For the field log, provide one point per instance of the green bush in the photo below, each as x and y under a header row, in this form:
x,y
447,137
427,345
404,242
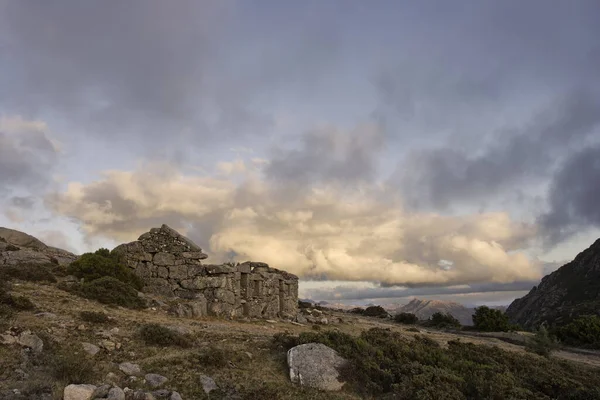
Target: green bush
x,y
441,320
387,363
92,266
157,335
108,290
28,272
542,343
406,318
357,310
94,317
582,332
375,311
489,320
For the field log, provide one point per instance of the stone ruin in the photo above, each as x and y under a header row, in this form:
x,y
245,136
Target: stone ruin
x,y
171,265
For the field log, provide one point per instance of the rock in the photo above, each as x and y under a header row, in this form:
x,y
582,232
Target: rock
x,y
111,378
26,249
116,393
301,319
175,396
323,321
315,365
101,391
270,321
130,369
162,393
8,339
32,341
91,349
249,355
155,380
208,384
46,315
108,345
79,392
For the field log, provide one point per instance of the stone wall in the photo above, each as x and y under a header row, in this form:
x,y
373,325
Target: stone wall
x,y
171,265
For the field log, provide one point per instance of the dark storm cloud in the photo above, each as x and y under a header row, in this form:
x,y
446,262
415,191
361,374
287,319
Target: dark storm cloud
x,y
329,155
444,176
353,293
27,157
573,196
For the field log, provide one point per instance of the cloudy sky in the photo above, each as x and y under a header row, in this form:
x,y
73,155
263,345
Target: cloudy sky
x,y
379,150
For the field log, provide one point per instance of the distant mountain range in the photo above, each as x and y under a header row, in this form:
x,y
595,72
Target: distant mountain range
x,y
422,308
570,291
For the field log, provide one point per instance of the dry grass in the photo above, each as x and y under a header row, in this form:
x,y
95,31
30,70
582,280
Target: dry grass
x,y
219,347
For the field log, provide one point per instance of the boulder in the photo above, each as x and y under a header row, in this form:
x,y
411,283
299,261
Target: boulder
x,y
30,340
315,365
79,392
208,384
116,393
155,380
91,349
130,369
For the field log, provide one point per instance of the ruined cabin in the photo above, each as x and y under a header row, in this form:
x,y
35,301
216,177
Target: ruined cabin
x,y
172,265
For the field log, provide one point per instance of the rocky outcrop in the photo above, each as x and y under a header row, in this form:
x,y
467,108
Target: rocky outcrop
x,y
315,365
20,248
571,291
172,265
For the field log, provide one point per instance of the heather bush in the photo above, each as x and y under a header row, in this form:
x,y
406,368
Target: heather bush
x,y
406,318
441,320
582,332
375,311
489,320
157,335
386,364
108,290
92,266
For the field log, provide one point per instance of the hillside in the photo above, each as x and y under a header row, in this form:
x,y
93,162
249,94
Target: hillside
x,y
19,248
426,308
570,291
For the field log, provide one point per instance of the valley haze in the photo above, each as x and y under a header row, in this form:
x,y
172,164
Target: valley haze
x,y
379,151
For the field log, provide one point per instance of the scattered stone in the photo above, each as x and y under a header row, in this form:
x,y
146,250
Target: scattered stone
x,y
108,345
81,327
162,393
111,378
155,380
175,396
30,340
114,331
208,384
249,355
79,392
116,393
271,321
315,365
101,391
46,315
324,321
296,323
8,339
130,369
91,349
301,319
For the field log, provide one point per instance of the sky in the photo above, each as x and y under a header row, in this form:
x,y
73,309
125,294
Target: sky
x,y
379,150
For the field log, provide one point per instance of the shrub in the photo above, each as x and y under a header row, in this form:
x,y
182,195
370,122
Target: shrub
x,y
28,272
489,320
406,318
18,303
157,335
542,343
68,367
108,290
412,329
304,304
212,357
94,317
385,363
357,310
375,311
441,320
583,331
92,266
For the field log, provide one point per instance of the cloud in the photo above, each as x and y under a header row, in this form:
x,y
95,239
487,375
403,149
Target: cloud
x,y
573,196
28,155
353,232
350,292
525,156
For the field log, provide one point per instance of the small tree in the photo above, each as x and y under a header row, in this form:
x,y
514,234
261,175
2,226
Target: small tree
x,y
406,318
441,320
489,320
542,343
375,311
